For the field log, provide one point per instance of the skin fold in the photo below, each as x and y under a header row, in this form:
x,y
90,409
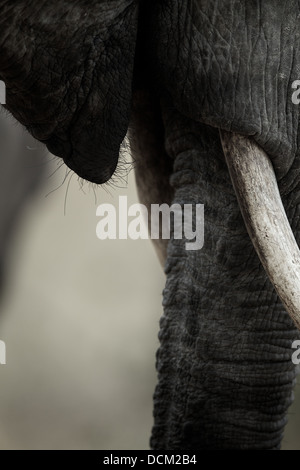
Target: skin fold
x,y
172,73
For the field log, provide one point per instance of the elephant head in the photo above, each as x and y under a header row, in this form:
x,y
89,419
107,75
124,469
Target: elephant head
x,y
205,89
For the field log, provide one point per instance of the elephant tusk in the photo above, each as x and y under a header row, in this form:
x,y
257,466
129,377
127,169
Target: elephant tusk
x,y
255,184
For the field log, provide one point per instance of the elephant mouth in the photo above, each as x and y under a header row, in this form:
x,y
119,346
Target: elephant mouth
x,y
255,184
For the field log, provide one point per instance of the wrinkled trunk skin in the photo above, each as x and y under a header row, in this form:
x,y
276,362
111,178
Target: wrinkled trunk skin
x,y
224,362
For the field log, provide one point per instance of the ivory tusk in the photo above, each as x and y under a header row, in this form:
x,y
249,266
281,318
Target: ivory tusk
x,y
255,184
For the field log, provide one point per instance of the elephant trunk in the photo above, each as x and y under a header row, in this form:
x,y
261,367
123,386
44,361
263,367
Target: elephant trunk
x,y
224,363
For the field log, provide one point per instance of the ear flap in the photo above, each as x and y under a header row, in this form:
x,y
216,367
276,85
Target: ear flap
x,y
68,70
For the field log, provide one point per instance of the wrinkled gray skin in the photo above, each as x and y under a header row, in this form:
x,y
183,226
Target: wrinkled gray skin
x,y
174,71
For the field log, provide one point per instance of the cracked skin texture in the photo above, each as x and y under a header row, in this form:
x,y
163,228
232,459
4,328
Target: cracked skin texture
x,y
232,64
224,363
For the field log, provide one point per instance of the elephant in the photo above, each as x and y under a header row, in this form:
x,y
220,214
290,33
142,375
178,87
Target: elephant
x,y
203,90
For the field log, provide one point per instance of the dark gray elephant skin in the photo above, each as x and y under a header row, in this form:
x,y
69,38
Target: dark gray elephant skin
x,y
174,72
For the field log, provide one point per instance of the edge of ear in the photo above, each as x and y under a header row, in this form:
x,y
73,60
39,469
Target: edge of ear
x,y
68,75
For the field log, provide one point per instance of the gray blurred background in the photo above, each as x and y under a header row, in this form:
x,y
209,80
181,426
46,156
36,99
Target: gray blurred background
x,y
79,316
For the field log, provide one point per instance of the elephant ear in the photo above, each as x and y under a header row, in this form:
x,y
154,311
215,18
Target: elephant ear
x,y
68,70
